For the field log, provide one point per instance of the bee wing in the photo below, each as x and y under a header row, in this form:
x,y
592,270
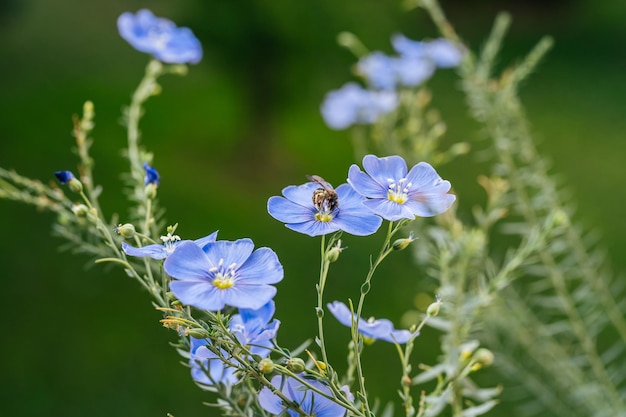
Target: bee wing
x,y
321,181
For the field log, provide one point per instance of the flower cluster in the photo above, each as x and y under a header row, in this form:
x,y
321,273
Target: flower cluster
x,y
415,63
386,190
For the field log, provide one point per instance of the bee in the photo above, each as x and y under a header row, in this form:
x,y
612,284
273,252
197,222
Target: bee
x,y
324,198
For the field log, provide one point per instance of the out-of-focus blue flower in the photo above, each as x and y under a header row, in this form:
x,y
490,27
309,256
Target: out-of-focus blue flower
x,y
159,37
395,194
312,403
378,69
152,175
442,52
64,176
253,328
352,104
170,242
386,73
207,368
223,273
297,210
381,329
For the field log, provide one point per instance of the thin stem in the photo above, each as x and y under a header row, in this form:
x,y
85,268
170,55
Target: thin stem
x,y
319,311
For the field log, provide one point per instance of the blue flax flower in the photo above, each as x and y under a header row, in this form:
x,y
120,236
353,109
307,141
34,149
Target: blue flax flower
x,y
223,273
312,403
381,329
395,194
352,104
386,72
441,52
207,368
152,175
159,37
64,176
299,212
255,328
170,242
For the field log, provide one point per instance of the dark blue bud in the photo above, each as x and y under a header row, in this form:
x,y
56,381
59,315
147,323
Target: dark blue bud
x,y
152,175
64,176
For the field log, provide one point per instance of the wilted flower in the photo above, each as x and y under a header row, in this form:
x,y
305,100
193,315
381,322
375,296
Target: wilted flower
x,y
381,329
223,273
255,328
395,194
170,242
206,367
159,37
299,212
312,403
352,104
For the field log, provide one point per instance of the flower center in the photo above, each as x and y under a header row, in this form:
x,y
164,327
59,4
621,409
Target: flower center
x,y
324,216
398,192
169,242
224,277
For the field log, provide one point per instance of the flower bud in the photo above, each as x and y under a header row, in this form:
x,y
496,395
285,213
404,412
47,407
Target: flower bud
x,y
80,210
127,231
198,333
333,254
483,357
151,191
296,365
433,309
266,366
401,244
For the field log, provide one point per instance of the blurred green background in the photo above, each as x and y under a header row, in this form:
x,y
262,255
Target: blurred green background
x,y
82,340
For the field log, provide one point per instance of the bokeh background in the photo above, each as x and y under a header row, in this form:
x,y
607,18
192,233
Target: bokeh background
x,y
83,340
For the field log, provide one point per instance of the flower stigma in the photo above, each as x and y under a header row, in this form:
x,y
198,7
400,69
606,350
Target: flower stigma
x,y
398,193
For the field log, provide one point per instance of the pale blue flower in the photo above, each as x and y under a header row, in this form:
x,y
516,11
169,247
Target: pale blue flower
x,y
255,328
394,194
170,242
152,175
381,329
378,69
297,210
352,104
442,52
312,403
159,37
386,72
207,368
223,273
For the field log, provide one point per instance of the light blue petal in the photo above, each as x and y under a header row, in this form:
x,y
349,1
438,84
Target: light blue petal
x,y
269,401
382,329
423,175
314,228
341,312
188,262
366,185
301,194
383,169
389,210
262,267
199,294
230,252
430,205
152,251
376,68
251,318
202,242
248,296
287,211
413,71
444,53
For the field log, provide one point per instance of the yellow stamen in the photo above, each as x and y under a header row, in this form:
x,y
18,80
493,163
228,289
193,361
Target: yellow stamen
x,y
223,282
